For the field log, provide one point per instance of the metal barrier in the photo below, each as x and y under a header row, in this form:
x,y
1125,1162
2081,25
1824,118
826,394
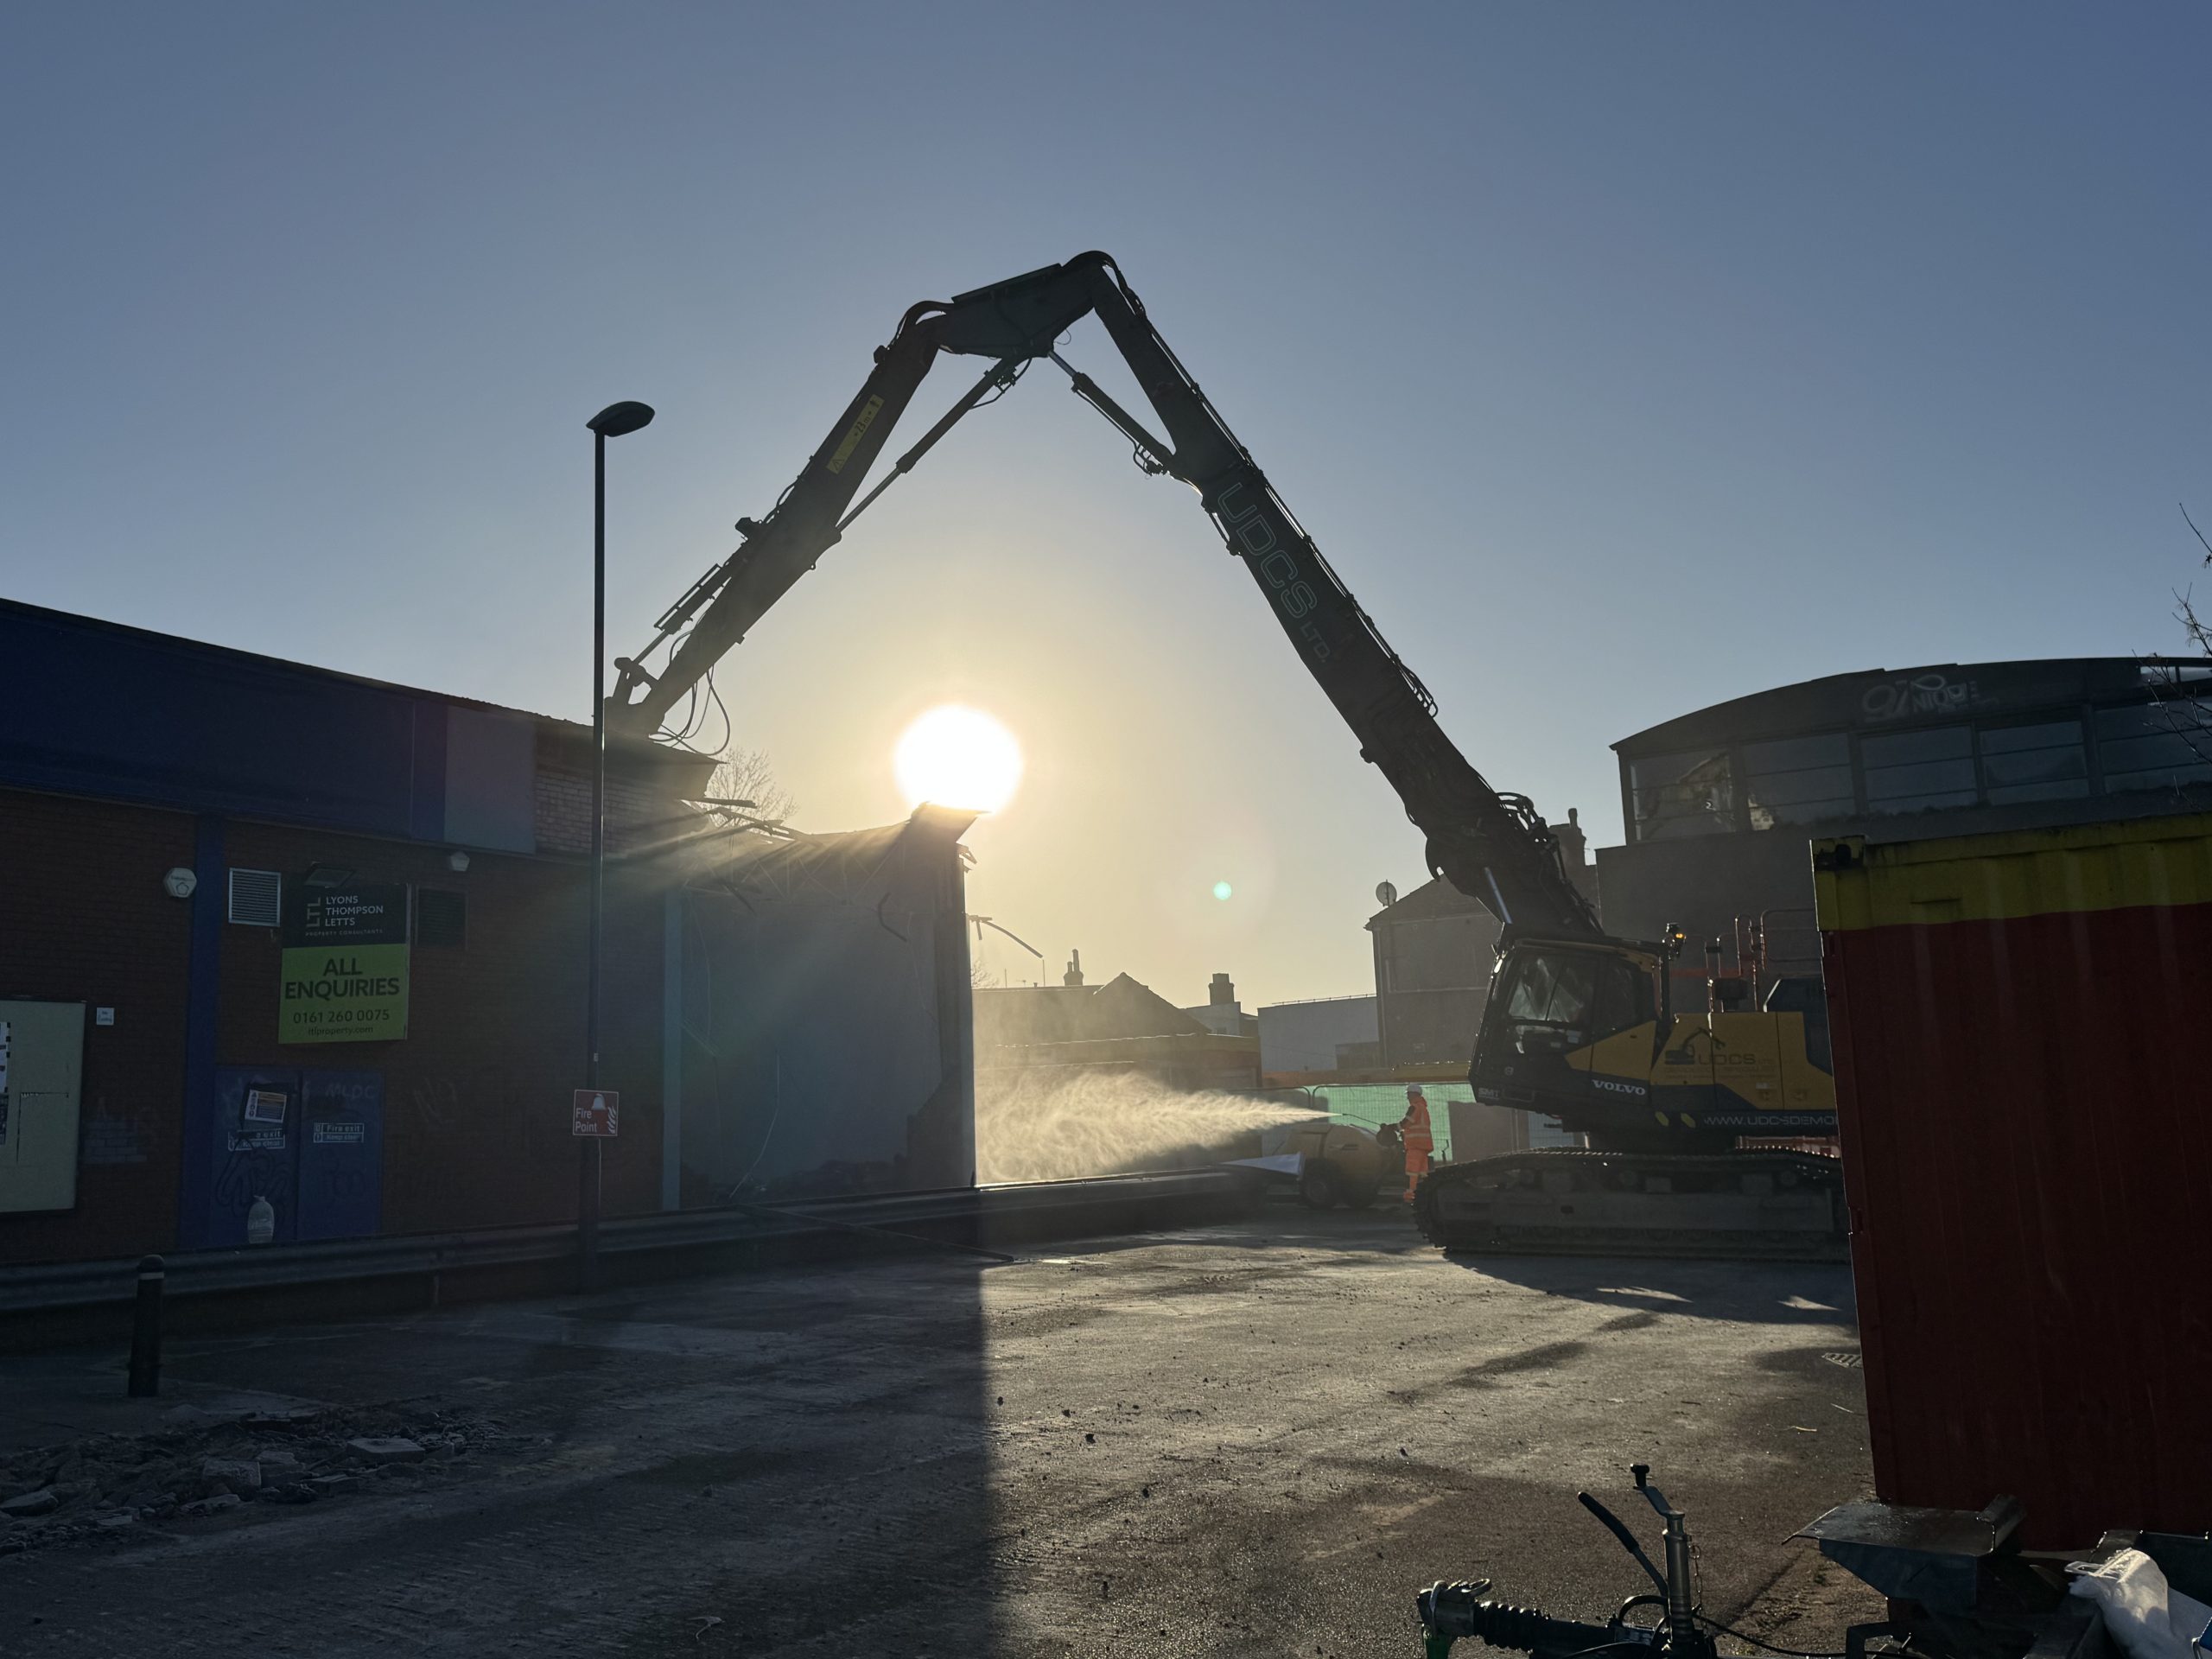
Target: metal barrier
x,y
971,1214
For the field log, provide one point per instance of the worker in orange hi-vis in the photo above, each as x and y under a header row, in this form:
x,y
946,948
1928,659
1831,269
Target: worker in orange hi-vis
x,y
1420,1140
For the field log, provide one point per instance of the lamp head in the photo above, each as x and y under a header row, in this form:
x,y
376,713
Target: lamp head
x,y
618,419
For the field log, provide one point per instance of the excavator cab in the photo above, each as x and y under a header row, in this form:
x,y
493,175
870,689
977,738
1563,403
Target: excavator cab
x,y
1562,1014
1586,1031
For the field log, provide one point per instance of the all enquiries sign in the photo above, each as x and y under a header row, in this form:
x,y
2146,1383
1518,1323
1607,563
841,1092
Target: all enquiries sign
x,y
344,966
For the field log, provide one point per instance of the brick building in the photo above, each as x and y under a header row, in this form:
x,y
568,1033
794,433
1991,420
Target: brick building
x,y
1122,1026
1434,949
176,822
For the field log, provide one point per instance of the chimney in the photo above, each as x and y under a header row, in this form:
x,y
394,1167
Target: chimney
x,y
1221,993
1074,975
1573,844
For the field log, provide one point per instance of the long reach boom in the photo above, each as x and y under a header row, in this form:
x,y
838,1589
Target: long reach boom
x,y
1492,846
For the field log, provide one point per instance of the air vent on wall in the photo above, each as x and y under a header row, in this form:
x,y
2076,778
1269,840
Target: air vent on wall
x,y
257,898
441,919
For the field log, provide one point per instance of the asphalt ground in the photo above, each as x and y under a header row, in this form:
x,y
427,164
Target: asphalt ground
x,y
1257,1439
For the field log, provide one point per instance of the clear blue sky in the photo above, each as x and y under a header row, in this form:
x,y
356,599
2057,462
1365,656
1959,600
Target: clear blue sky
x,y
1622,358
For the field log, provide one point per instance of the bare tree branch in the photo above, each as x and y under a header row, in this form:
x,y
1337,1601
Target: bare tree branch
x,y
2199,632
745,775
2199,534
2186,714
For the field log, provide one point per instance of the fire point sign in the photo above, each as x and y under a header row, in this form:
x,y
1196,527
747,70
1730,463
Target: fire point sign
x,y
597,1111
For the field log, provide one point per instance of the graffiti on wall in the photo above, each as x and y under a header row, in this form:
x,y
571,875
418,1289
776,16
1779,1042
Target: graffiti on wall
x,y
116,1138
1917,693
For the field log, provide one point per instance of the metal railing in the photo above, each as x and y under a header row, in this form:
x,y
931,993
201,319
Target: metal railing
x,y
1065,1208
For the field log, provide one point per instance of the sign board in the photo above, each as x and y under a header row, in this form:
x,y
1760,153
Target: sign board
x,y
258,1123
42,1071
340,1114
596,1111
344,975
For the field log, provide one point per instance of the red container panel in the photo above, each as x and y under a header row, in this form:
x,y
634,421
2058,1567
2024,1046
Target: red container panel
x,y
2023,1032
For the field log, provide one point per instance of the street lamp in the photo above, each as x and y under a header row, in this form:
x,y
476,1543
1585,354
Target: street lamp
x,y
612,422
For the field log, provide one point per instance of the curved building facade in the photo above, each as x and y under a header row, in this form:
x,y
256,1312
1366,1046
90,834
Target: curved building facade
x,y
1718,806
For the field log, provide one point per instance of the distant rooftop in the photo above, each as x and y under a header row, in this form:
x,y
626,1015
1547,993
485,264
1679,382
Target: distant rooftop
x,y
1022,1014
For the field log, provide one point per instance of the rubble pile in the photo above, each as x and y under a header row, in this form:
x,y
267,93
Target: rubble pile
x,y
201,1464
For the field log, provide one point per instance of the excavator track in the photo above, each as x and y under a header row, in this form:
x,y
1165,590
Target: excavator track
x,y
1563,1201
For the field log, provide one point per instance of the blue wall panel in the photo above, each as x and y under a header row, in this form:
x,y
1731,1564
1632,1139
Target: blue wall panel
x,y
94,710
253,1159
341,1154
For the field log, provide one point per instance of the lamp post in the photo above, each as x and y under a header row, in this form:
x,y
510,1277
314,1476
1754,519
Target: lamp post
x,y
612,422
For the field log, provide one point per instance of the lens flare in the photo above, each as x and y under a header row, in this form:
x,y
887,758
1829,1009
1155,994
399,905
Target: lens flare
x,y
956,756
1221,889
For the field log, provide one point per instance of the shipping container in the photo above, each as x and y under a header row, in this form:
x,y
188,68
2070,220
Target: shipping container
x,y
2022,1037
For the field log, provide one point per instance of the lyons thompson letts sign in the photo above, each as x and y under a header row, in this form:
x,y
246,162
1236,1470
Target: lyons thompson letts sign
x,y
343,976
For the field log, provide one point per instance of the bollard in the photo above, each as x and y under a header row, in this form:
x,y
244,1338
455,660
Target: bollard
x,y
146,1329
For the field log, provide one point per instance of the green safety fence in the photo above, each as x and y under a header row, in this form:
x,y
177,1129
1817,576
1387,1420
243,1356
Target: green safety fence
x,y
1369,1104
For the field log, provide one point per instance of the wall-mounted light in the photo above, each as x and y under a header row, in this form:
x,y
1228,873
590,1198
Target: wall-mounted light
x,y
457,862
327,875
180,882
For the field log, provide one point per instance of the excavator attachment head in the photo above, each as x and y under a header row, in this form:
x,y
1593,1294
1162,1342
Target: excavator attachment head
x,y
1022,315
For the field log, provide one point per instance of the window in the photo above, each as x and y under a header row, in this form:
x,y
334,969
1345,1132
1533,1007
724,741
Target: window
x,y
2154,745
1562,999
1921,771
1680,795
1624,1000
2034,763
1552,990
441,919
1798,780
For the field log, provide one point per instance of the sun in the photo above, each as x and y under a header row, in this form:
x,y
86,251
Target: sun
x,y
956,756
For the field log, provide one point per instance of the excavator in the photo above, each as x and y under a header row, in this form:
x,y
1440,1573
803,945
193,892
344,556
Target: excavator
x,y
1579,1025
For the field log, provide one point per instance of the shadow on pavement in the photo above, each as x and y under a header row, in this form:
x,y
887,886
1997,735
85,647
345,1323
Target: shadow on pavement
x,y
796,1462
1756,1292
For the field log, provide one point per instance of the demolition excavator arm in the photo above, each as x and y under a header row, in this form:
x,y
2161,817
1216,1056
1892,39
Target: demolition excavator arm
x,y
1577,1027
1493,847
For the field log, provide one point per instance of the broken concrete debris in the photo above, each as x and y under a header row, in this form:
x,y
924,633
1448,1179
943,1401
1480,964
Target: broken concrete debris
x,y
200,1463
229,1475
380,1449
